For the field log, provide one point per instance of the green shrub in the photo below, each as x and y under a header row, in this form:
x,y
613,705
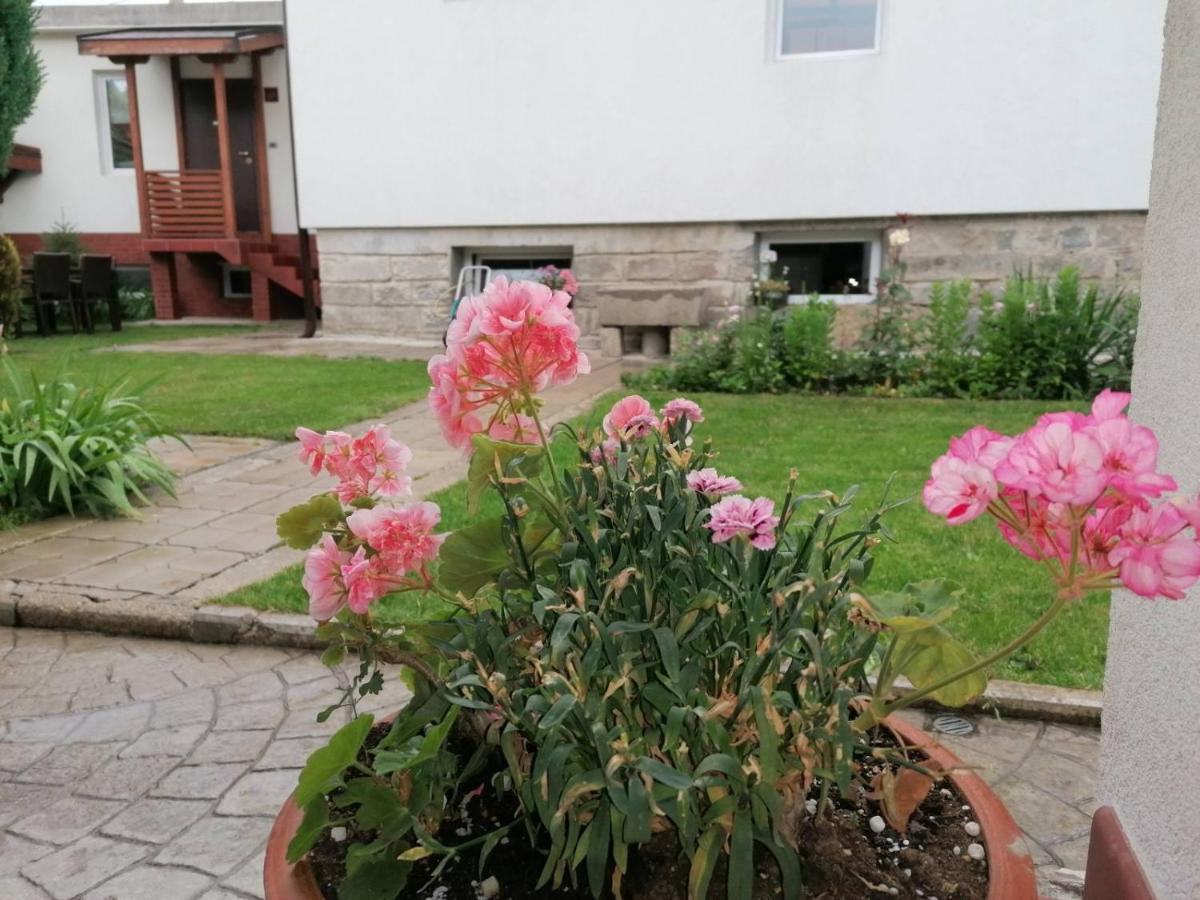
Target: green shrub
x,y
808,357
71,448
947,363
137,304
10,285
1046,339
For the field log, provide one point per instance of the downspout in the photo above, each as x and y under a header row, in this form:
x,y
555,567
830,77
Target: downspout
x,y
306,269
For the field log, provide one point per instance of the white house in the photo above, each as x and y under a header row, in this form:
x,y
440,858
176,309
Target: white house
x,y
140,155
660,145
661,148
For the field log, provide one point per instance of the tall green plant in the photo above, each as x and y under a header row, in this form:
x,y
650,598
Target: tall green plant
x,y
10,285
808,356
76,448
64,237
947,361
21,72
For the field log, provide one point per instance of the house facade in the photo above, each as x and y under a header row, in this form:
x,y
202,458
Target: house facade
x,y
162,136
669,150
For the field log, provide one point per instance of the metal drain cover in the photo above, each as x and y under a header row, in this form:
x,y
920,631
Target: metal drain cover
x,y
951,724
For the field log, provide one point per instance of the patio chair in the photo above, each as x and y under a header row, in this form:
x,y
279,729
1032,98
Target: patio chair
x,y
98,284
52,286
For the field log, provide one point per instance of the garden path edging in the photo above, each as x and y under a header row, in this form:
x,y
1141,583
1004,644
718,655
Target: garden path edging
x,y
41,606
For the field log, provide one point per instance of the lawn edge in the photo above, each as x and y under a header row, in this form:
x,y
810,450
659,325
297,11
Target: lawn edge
x,y
213,624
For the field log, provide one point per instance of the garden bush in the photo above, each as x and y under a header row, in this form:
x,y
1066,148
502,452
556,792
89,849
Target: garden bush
x,y
1044,339
64,447
10,286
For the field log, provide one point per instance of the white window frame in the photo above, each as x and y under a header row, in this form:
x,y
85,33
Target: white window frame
x,y
104,123
777,39
227,291
472,255
874,266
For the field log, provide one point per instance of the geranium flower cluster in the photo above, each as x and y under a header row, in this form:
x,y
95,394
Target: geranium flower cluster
x,y
1080,492
381,549
558,279
370,465
504,346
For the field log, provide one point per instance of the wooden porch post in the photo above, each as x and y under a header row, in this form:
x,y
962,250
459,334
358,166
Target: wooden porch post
x,y
223,140
135,140
260,147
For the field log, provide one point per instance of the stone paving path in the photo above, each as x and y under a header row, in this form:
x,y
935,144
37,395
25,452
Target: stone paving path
x,y
218,534
137,768
271,342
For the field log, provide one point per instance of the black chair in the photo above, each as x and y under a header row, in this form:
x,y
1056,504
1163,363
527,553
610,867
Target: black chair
x,y
52,286
98,284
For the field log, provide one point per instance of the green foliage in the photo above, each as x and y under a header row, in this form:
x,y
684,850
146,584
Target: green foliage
x,y
66,447
302,525
137,304
628,675
21,72
10,285
1042,339
64,237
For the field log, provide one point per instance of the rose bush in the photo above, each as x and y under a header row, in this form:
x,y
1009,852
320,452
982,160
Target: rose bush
x,y
640,652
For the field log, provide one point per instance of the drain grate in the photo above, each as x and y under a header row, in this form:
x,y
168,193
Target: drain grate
x,y
950,724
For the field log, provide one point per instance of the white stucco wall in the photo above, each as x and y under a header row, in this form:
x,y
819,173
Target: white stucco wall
x,y
1151,735
74,184
494,112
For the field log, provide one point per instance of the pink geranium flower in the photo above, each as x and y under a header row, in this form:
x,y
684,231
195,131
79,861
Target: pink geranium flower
x,y
370,465
712,484
323,579
630,418
1155,552
1130,452
962,482
365,582
505,345
1058,460
403,539
739,516
313,448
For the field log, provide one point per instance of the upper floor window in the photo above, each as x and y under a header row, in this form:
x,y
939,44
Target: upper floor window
x,y
116,142
808,27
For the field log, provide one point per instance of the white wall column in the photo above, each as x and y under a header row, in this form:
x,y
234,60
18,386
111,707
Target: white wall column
x,y
1151,741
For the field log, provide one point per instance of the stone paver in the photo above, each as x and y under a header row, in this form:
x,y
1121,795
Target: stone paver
x,y
221,746
148,575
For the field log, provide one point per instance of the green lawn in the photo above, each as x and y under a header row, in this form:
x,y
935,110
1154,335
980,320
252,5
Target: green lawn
x,y
243,395
834,443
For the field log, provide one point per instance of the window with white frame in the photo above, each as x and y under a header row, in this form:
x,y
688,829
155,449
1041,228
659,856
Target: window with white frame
x,y
513,264
837,266
112,105
814,27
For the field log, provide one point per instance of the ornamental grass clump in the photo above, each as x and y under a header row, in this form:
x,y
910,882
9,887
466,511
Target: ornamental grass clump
x,y
76,449
643,658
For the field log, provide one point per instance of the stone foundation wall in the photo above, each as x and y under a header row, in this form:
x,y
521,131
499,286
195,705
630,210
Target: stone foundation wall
x,y
399,282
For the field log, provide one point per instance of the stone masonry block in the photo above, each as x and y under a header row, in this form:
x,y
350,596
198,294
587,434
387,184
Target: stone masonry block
x,y
596,267
427,267
335,294
337,267
221,624
650,267
629,305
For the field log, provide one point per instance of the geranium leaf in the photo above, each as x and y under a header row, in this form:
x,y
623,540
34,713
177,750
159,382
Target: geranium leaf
x,y
473,556
316,817
302,526
931,654
330,761
493,459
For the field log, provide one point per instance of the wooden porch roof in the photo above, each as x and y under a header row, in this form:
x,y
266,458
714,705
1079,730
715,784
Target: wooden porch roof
x,y
25,158
141,42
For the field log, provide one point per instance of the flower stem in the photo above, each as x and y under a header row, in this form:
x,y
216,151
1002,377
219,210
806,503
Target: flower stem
x,y
871,717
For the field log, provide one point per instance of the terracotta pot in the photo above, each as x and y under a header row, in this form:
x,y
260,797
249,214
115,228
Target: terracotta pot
x,y
1010,866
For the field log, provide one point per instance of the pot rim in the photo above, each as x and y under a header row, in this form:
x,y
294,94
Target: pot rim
x,y
1010,866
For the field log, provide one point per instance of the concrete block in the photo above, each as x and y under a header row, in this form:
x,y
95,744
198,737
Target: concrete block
x,y
221,624
426,267
630,305
610,342
650,267
338,267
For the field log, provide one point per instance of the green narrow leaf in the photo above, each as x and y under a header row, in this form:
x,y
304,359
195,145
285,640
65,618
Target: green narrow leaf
x,y
741,857
704,860
560,709
669,649
665,774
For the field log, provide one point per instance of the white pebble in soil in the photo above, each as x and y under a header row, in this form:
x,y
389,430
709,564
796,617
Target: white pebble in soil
x,y
877,824
489,888
975,851
338,833
972,828
957,850
810,807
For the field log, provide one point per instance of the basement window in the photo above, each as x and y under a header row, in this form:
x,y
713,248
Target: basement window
x,y
235,282
810,28
515,265
837,267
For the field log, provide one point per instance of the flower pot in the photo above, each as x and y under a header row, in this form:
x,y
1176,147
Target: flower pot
x,y
1010,867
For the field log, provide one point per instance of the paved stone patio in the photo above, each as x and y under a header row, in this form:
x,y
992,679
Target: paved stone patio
x,y
276,342
218,534
133,767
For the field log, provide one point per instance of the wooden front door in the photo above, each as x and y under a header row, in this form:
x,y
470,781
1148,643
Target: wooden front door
x,y
200,146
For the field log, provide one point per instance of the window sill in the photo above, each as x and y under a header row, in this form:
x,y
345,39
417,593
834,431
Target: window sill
x,y
839,299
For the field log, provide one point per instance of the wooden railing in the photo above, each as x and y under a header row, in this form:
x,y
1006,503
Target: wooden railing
x,y
186,204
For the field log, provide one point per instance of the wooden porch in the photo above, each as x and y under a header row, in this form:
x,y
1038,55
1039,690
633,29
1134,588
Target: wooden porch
x,y
217,199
